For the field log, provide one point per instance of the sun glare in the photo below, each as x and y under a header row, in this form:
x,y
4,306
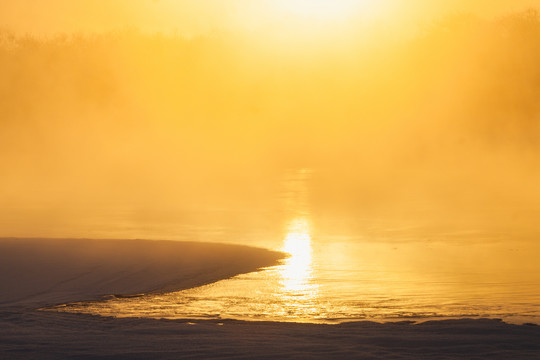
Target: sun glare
x,y
323,10
307,25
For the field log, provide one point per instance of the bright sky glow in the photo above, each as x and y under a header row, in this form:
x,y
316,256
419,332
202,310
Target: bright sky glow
x,y
323,10
208,16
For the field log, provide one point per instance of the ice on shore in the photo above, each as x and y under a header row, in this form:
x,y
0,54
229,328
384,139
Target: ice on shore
x,y
41,272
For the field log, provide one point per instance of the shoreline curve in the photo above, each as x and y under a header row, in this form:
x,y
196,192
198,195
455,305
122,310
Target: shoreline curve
x,y
46,272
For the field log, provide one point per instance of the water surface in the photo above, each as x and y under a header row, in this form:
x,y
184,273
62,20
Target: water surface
x,y
381,270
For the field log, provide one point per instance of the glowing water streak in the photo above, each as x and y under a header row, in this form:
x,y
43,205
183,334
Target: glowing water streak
x,y
297,273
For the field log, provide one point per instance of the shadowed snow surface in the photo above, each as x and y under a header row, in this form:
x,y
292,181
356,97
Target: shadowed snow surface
x,y
41,272
47,335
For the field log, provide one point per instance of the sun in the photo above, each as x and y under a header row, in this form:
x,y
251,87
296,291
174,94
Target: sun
x,y
323,10
301,28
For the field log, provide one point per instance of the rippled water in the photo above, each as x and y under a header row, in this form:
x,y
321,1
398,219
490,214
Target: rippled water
x,y
388,271
346,281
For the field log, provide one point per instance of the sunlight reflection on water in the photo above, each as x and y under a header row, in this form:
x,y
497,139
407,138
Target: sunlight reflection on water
x,y
297,273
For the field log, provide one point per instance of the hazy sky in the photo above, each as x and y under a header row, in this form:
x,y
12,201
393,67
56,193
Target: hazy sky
x,y
201,16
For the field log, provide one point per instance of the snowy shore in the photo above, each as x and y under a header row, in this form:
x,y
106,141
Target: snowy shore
x,y
41,272
36,273
48,335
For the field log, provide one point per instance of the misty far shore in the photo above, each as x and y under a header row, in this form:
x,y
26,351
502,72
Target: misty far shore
x,y
449,118
42,272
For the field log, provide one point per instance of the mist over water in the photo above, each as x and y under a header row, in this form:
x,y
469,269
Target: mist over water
x,y
427,140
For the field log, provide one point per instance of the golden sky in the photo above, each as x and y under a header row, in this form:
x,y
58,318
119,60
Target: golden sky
x,y
203,16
